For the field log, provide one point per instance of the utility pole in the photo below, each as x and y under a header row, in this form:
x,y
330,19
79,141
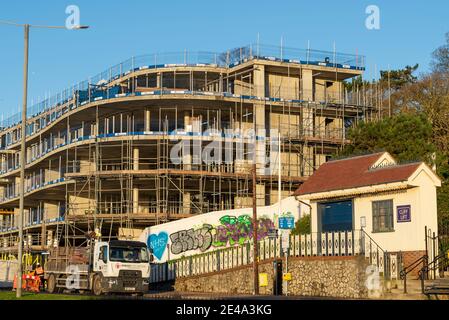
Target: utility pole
x,y
22,163
279,175
255,243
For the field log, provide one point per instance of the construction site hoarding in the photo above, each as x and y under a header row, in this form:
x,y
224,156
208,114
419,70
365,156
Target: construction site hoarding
x,y
215,230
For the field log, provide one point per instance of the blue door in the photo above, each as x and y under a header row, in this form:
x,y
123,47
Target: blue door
x,y
335,216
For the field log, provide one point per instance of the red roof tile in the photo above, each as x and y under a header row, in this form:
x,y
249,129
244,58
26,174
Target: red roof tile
x,y
353,173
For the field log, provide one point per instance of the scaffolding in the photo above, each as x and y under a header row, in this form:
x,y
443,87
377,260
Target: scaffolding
x,y
101,159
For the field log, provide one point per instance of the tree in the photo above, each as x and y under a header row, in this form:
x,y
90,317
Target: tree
x,y
388,87
440,58
407,136
355,83
398,78
302,226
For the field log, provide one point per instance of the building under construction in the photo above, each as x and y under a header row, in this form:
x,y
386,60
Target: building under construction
x,y
100,155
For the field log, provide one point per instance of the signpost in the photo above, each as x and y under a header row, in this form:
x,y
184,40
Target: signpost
x,y
286,222
285,239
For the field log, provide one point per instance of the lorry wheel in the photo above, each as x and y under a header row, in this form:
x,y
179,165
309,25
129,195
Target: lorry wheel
x,y
96,287
51,284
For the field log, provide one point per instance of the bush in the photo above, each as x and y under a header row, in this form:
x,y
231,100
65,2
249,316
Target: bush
x,y
302,226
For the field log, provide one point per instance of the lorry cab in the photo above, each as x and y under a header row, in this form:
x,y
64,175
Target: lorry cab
x,y
120,266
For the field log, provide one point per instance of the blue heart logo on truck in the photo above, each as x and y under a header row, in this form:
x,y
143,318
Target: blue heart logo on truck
x,y
158,243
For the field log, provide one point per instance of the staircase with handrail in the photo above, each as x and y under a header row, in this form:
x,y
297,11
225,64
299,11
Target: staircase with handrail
x,y
388,263
431,274
412,267
438,285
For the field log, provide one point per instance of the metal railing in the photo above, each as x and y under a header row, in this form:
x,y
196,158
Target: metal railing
x,y
12,190
413,266
288,95
33,219
440,264
227,59
328,244
293,132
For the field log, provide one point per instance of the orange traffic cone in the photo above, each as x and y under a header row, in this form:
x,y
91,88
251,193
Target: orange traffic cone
x,y
24,284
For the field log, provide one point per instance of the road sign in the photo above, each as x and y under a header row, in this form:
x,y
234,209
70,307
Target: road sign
x,y
285,239
263,279
287,276
286,222
273,234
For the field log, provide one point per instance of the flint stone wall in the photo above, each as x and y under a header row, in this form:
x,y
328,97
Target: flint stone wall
x,y
338,277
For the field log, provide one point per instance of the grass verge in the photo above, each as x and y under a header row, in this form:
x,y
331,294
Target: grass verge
x,y
11,295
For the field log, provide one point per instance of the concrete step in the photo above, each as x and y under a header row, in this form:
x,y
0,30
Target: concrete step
x,y
413,291
437,287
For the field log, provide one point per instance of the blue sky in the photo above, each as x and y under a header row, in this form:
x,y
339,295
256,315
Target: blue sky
x,y
409,32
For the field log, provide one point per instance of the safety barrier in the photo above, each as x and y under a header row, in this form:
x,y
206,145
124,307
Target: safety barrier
x,y
228,59
110,93
36,223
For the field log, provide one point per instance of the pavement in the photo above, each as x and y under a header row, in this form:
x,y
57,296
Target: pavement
x,y
395,293
414,292
172,295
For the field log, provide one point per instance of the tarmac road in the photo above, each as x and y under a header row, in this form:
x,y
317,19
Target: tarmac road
x,y
172,295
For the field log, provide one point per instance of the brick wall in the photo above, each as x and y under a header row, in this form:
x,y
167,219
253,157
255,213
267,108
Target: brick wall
x,y
408,257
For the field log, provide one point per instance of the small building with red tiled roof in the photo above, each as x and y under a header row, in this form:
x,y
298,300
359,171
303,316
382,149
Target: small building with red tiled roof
x,y
391,202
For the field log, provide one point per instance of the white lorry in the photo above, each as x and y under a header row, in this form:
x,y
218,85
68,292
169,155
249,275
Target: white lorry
x,y
100,267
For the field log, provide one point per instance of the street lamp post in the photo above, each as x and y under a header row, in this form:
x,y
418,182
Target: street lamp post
x,y
22,163
23,142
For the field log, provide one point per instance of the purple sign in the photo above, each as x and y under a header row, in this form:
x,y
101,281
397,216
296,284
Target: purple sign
x,y
404,213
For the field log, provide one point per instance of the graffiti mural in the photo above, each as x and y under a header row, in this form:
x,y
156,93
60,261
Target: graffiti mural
x,y
231,231
186,240
239,230
157,243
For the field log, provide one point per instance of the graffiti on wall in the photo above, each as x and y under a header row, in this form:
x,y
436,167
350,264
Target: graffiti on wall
x,y
157,243
231,231
186,240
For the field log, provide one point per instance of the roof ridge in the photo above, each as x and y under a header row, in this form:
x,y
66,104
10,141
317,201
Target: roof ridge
x,y
394,166
357,157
